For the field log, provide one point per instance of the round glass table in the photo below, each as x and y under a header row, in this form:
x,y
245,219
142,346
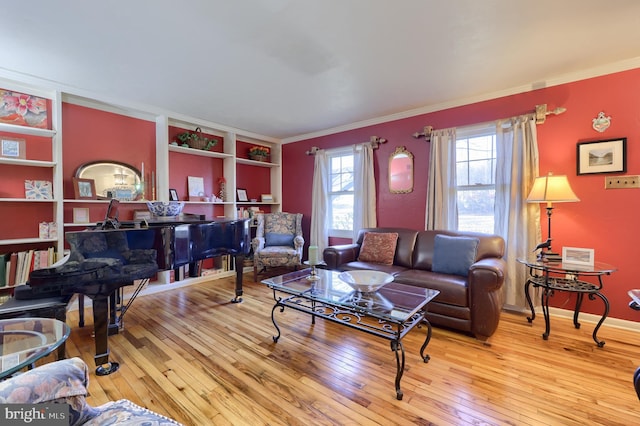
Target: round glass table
x,y
567,277
23,341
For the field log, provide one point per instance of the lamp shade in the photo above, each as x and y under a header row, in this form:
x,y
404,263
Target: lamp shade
x,y
552,189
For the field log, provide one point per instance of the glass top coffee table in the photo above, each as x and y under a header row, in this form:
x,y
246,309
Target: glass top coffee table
x,y
389,313
23,341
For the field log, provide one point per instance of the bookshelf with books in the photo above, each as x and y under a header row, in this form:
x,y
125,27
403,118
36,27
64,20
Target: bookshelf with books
x,y
30,169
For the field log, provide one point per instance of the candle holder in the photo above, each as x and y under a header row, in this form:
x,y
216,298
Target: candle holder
x,y
313,276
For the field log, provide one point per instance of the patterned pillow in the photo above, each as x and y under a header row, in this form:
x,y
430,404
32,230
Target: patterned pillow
x,y
378,247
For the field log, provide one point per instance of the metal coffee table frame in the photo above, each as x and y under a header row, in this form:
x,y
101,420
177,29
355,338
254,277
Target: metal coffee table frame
x,y
347,312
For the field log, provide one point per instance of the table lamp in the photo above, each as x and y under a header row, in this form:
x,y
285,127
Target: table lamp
x,y
550,189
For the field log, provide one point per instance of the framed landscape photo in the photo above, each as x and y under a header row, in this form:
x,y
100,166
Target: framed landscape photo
x,y
607,156
578,256
266,198
85,189
242,194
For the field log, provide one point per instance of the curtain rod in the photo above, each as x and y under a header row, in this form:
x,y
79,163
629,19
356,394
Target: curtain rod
x,y
541,113
375,142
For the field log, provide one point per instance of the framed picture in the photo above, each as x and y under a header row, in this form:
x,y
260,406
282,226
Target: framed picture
x,y
85,189
173,195
242,194
80,215
605,156
141,215
12,148
38,189
196,188
578,256
266,198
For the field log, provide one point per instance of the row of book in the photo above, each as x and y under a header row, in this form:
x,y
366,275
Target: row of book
x,y
15,267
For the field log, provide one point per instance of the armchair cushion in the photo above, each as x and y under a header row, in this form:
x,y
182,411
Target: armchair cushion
x,y
63,381
454,255
378,247
275,239
125,412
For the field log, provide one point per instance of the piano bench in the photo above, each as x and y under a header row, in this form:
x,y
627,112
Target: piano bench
x,y
49,307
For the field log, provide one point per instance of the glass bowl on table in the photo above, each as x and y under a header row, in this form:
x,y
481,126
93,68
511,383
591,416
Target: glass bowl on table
x,y
365,281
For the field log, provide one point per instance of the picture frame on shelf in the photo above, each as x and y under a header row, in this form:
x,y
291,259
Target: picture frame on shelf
x,y
578,256
242,195
266,198
84,189
38,189
141,215
80,215
604,156
13,148
173,195
196,188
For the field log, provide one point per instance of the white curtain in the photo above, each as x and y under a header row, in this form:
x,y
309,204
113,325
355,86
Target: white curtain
x,y
364,182
517,221
319,235
442,210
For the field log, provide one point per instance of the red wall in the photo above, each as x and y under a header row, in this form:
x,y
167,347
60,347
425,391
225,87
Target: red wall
x,y
605,220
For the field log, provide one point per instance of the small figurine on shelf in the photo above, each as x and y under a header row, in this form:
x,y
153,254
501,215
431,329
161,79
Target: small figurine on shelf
x,y
223,188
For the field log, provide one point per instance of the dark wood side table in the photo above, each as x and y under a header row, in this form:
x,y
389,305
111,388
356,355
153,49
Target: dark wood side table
x,y
559,276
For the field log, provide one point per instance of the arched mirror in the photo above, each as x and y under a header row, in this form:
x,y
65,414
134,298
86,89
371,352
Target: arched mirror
x,y
401,171
113,179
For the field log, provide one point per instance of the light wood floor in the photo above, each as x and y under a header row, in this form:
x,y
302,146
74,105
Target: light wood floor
x,y
191,355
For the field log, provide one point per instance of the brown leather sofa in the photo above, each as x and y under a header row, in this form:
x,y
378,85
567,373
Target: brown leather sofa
x,y
471,304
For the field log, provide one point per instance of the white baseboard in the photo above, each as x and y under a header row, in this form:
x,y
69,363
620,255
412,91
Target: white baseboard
x,y
584,317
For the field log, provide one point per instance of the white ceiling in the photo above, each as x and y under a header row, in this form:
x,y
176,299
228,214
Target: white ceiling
x,y
286,68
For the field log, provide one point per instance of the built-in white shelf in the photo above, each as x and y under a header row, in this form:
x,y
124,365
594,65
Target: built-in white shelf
x,y
200,152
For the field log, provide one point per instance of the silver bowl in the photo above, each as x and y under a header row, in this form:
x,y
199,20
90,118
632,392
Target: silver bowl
x,y
161,208
365,281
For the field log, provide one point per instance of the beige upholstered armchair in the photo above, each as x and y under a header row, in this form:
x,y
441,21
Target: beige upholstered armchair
x,y
278,241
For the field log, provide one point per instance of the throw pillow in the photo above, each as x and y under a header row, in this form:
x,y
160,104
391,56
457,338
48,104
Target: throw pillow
x,y
378,247
454,255
274,239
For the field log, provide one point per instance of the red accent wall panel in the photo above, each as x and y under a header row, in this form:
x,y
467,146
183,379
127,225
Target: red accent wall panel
x,y
606,220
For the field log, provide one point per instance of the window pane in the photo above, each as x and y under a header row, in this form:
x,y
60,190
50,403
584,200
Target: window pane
x,y
475,210
480,172
342,212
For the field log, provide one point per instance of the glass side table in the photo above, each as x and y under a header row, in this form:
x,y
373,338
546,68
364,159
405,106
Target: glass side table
x,y
559,276
23,341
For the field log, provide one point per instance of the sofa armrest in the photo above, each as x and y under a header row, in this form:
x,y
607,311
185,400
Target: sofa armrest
x,y
488,274
63,381
335,256
486,298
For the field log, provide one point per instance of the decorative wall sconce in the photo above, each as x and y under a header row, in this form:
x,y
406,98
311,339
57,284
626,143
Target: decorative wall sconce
x,y
601,123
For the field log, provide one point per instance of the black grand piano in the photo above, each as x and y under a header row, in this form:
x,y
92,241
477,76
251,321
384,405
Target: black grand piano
x,y
102,261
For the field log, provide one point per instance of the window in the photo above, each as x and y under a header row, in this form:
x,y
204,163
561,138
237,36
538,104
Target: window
x,y
341,193
475,175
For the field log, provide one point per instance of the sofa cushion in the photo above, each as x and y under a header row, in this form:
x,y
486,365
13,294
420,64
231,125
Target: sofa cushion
x,y
378,247
454,255
275,239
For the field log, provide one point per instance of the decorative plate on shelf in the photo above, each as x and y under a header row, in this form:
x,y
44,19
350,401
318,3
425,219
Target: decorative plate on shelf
x,y
38,190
